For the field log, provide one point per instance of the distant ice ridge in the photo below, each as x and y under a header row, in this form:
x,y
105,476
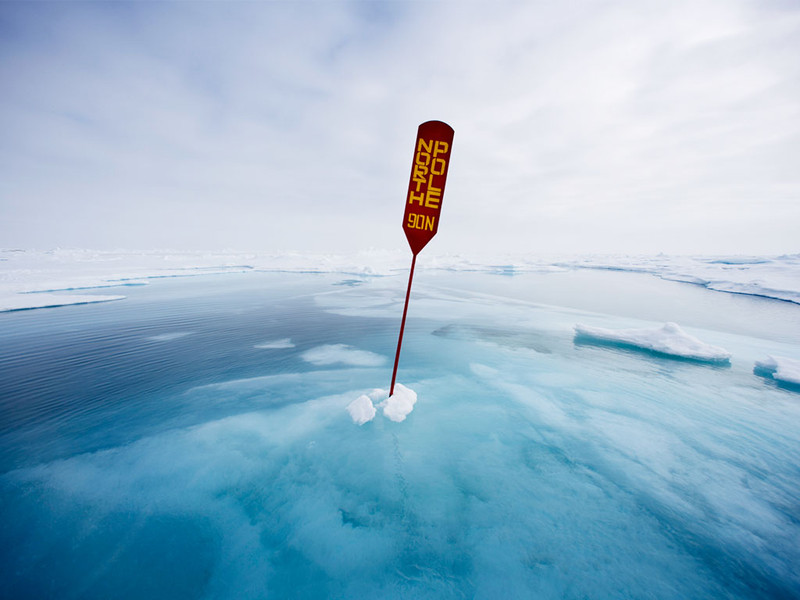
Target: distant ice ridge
x,y
776,277
25,271
669,339
25,274
786,370
395,408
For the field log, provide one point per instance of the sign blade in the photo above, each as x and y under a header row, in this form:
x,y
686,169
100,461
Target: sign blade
x,y
426,184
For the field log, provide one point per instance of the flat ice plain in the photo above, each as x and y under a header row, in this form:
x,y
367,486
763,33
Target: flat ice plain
x,y
205,437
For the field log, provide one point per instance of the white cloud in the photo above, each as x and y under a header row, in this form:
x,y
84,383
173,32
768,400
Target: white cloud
x,y
615,126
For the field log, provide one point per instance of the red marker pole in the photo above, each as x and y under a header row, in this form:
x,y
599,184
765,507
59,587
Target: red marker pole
x,y
424,200
402,325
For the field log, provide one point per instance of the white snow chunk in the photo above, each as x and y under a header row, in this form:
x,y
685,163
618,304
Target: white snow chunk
x,y
275,344
331,354
669,339
396,408
783,369
400,404
361,410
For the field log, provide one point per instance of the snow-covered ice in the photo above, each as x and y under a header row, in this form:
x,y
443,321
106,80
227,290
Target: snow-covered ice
x,y
669,339
775,277
786,370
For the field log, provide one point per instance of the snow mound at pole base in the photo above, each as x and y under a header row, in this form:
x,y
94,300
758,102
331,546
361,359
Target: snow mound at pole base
x,y
395,408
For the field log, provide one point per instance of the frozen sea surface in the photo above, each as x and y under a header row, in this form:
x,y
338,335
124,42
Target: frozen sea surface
x,y
194,441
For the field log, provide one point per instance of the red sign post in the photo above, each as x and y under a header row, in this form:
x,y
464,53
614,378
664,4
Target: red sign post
x,y
424,200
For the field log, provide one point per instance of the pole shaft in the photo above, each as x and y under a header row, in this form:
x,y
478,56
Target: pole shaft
x,y
402,325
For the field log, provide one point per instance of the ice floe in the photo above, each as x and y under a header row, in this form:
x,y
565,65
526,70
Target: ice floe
x,y
669,339
332,354
785,370
275,344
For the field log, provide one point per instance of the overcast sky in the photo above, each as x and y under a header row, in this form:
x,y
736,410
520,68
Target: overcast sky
x,y
618,126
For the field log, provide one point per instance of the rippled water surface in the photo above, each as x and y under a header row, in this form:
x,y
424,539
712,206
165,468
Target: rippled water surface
x,y
192,441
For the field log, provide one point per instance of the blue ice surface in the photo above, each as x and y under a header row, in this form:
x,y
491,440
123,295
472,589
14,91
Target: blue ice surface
x,y
148,449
